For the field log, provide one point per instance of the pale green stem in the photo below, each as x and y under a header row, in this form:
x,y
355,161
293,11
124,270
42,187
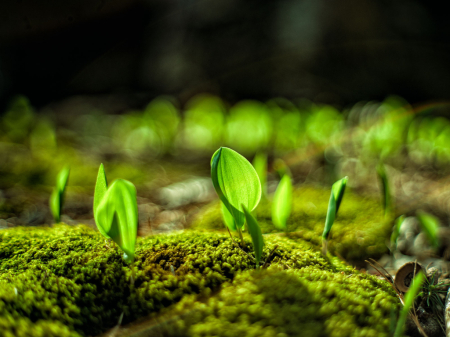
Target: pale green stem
x,y
241,237
324,246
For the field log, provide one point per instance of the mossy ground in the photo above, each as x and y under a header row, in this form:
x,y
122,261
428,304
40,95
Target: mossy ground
x,y
359,232
68,281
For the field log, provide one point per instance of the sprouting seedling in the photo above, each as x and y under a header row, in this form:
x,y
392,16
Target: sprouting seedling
x,y
255,233
337,193
282,203
385,189
236,182
396,231
260,165
408,303
57,197
116,213
429,225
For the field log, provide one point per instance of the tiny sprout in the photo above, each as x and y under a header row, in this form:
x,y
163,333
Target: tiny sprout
x,y
337,193
255,233
116,213
236,182
282,203
57,197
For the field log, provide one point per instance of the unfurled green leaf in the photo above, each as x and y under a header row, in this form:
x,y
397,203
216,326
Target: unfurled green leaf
x,y
117,216
409,300
337,193
57,196
255,233
385,189
260,165
236,182
282,203
101,186
227,217
429,225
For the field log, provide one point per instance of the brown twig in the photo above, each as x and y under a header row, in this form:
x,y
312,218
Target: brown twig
x,y
268,257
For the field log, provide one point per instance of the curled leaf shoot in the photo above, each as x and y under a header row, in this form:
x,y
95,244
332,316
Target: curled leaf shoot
x,y
408,303
101,186
57,197
282,203
236,183
255,233
337,193
117,216
429,225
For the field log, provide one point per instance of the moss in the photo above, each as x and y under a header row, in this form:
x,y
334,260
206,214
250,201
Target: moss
x,y
359,232
70,275
67,281
305,302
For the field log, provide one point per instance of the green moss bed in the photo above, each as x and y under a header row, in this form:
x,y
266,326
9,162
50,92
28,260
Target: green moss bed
x,y
68,281
359,232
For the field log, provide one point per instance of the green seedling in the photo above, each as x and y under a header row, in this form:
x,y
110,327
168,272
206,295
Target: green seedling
x,y
429,225
396,232
282,203
408,303
57,197
236,182
255,233
116,213
385,189
260,165
337,193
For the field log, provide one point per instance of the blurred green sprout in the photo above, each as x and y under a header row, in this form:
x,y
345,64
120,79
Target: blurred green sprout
x,y
337,193
396,231
430,226
57,197
385,189
116,212
282,203
260,165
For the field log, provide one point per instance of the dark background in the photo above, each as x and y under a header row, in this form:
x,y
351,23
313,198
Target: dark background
x,y
337,52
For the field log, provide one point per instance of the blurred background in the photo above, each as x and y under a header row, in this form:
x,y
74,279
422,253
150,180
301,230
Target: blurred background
x,y
153,88
339,53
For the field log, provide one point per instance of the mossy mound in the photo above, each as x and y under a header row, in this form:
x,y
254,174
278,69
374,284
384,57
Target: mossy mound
x,y
359,232
67,281
281,303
